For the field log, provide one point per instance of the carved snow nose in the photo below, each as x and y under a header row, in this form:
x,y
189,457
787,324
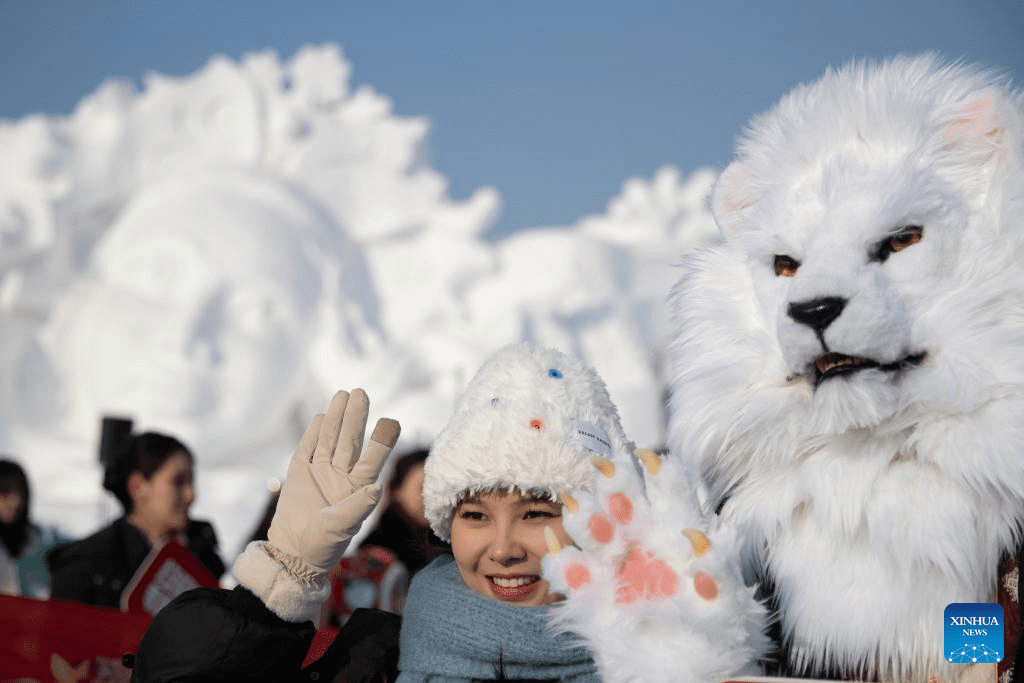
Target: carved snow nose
x,y
817,313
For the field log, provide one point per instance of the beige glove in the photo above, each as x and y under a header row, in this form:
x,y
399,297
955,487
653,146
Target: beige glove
x,y
330,488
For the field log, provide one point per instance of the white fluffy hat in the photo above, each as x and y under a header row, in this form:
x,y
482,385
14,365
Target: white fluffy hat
x,y
531,419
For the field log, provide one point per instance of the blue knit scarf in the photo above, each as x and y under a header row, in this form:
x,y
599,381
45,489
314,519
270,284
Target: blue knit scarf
x,y
451,634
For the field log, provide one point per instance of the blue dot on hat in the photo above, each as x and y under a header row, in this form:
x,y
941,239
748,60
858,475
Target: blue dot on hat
x,y
557,374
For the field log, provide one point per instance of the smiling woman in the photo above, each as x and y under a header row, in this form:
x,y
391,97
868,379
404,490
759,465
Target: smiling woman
x,y
498,540
526,430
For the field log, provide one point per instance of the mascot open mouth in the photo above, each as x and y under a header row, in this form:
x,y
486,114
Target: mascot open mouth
x,y
836,364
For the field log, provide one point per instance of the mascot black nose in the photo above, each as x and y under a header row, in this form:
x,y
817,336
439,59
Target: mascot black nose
x,y
817,313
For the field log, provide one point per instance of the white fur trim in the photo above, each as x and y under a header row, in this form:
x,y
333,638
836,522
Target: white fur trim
x,y
289,596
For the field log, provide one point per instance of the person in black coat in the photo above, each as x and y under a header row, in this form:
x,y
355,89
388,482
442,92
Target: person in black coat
x,y
402,527
152,477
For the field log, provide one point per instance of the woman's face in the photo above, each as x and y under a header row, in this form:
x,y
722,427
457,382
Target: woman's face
x,y
162,502
498,542
11,504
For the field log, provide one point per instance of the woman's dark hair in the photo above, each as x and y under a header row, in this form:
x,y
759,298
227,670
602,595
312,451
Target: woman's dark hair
x,y
143,453
403,465
15,534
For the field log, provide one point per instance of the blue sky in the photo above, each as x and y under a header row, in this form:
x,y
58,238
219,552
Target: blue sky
x,y
555,103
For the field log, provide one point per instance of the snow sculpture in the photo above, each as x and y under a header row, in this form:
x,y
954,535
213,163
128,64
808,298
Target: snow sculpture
x,y
196,313
193,256
215,254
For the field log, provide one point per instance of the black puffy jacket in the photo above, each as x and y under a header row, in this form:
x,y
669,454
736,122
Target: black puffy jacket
x,y
211,635
96,569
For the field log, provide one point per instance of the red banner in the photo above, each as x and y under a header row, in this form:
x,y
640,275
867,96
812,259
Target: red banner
x,y
52,641
65,642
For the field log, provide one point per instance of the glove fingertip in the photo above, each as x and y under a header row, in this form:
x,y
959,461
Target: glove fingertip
x,y
386,432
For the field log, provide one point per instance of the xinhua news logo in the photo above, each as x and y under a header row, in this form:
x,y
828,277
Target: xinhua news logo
x,y
973,633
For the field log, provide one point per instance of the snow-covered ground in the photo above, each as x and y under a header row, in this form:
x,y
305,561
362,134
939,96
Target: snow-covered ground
x,y
213,256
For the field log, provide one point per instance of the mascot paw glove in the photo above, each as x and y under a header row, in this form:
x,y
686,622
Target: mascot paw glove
x,y
332,484
653,584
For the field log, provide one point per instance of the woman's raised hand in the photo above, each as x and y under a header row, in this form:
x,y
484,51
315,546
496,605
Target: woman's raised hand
x,y
332,484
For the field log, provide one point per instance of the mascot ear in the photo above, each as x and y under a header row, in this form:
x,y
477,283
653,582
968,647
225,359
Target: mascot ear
x,y
981,130
733,195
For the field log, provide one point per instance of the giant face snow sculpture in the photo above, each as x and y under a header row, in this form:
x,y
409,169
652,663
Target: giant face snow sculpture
x,y
195,312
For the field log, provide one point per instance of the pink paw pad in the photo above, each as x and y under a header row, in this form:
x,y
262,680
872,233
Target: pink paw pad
x,y
621,507
601,529
666,580
576,575
705,585
642,574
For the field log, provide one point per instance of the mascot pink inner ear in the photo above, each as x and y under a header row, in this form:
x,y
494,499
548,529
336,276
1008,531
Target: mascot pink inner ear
x,y
979,130
734,193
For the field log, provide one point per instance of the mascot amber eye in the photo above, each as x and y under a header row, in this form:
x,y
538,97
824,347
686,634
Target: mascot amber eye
x,y
785,266
906,237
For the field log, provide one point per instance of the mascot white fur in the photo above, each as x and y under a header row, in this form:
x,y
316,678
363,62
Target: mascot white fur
x,y
848,380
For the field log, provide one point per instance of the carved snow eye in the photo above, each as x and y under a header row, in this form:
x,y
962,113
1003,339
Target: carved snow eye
x,y
906,237
785,266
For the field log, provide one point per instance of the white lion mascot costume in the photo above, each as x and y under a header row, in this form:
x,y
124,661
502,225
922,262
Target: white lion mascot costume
x,y
848,383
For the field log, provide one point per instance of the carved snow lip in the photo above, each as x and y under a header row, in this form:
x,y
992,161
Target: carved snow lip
x,y
838,364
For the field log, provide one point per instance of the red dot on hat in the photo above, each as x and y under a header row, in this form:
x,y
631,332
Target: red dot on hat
x,y
537,424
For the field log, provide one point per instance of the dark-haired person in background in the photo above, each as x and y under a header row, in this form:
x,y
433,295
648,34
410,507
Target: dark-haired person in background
x,y
403,526
152,477
23,543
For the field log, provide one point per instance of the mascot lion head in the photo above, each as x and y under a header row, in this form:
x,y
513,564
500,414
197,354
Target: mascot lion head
x,y
848,365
